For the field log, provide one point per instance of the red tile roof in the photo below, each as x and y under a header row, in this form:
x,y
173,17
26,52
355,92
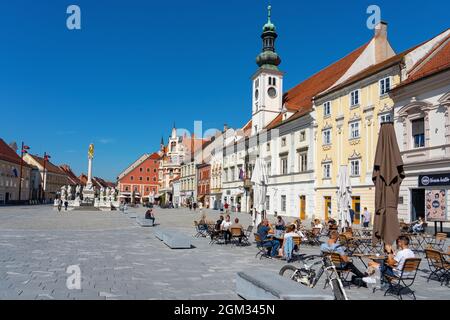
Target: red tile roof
x,y
8,154
299,98
275,122
50,167
155,156
369,71
435,61
73,179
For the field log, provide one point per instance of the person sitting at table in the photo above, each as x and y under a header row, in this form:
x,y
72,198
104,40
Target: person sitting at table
x,y
318,224
332,246
225,228
237,225
288,244
299,229
203,224
217,226
267,239
417,227
395,261
331,223
150,215
280,225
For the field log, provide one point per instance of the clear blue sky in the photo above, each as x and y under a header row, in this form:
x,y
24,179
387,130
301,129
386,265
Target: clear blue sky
x,y
138,65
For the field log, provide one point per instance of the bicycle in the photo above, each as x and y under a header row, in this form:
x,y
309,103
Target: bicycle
x,y
308,276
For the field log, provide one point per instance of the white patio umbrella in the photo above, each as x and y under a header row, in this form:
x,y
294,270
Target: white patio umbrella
x,y
259,180
343,198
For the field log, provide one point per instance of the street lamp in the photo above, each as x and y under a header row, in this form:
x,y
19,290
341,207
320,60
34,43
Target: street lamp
x,y
44,176
23,151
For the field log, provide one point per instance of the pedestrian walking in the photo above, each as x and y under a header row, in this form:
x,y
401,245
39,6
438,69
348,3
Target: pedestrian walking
x,y
366,218
226,207
66,204
352,214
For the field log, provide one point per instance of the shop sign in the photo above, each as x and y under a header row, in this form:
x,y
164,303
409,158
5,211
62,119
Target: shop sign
x,y
431,180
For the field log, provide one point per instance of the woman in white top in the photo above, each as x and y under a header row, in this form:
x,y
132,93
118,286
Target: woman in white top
x,y
290,233
225,228
318,224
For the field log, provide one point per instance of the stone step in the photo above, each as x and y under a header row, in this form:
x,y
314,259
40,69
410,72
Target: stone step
x,y
266,285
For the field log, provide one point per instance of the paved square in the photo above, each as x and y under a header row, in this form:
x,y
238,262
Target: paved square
x,y
121,260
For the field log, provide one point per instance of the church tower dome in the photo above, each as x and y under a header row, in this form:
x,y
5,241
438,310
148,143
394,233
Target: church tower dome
x,y
268,58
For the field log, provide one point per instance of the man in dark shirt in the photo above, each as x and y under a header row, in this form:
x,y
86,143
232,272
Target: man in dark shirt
x,y
352,214
150,215
267,240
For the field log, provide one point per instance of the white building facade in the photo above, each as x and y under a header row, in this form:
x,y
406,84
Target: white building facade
x,y
422,124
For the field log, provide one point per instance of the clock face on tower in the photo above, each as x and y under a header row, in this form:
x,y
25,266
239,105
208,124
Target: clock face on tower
x,y
272,92
256,94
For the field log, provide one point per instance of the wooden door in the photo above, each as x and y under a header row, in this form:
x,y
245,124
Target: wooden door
x,y
302,207
356,206
327,207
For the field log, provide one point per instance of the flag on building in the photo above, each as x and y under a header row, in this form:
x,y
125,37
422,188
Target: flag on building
x,y
241,174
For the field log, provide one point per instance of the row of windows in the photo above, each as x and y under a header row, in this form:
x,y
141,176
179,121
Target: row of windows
x,y
302,158
355,169
136,189
354,130
148,170
384,87
302,138
272,81
417,131
142,178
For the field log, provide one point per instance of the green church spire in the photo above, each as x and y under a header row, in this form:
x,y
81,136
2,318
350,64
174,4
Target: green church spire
x,y
268,58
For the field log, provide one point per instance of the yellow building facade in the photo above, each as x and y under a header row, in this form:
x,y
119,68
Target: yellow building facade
x,y
348,117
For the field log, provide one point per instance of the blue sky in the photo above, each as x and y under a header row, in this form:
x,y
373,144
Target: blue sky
x,y
137,66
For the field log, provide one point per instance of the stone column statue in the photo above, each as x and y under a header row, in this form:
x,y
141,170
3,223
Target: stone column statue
x,y
63,193
90,158
69,192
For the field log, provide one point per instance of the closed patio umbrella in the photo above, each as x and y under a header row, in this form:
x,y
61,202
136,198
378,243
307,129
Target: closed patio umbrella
x,y
259,180
387,176
344,198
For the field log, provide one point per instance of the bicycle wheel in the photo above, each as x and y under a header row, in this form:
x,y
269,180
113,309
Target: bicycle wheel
x,y
337,290
293,273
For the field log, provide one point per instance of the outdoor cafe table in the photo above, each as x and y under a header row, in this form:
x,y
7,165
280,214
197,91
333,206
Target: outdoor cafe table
x,y
440,226
362,243
362,232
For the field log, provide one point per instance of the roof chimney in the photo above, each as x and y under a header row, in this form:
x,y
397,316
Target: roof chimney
x,y
382,48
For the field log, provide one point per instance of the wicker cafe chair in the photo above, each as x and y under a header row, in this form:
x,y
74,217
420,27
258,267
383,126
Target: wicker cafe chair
x,y
350,246
248,232
199,232
262,247
217,236
438,242
237,235
316,236
397,285
439,267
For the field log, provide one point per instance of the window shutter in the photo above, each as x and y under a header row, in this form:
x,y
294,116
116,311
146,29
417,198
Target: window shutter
x,y
417,127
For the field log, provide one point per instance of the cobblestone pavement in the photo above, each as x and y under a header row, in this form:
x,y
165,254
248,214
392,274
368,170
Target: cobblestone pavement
x,y
121,260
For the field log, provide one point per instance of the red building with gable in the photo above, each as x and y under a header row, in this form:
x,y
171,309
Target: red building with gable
x,y
139,182
203,183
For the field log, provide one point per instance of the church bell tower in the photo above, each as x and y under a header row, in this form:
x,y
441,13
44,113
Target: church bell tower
x,y
267,101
